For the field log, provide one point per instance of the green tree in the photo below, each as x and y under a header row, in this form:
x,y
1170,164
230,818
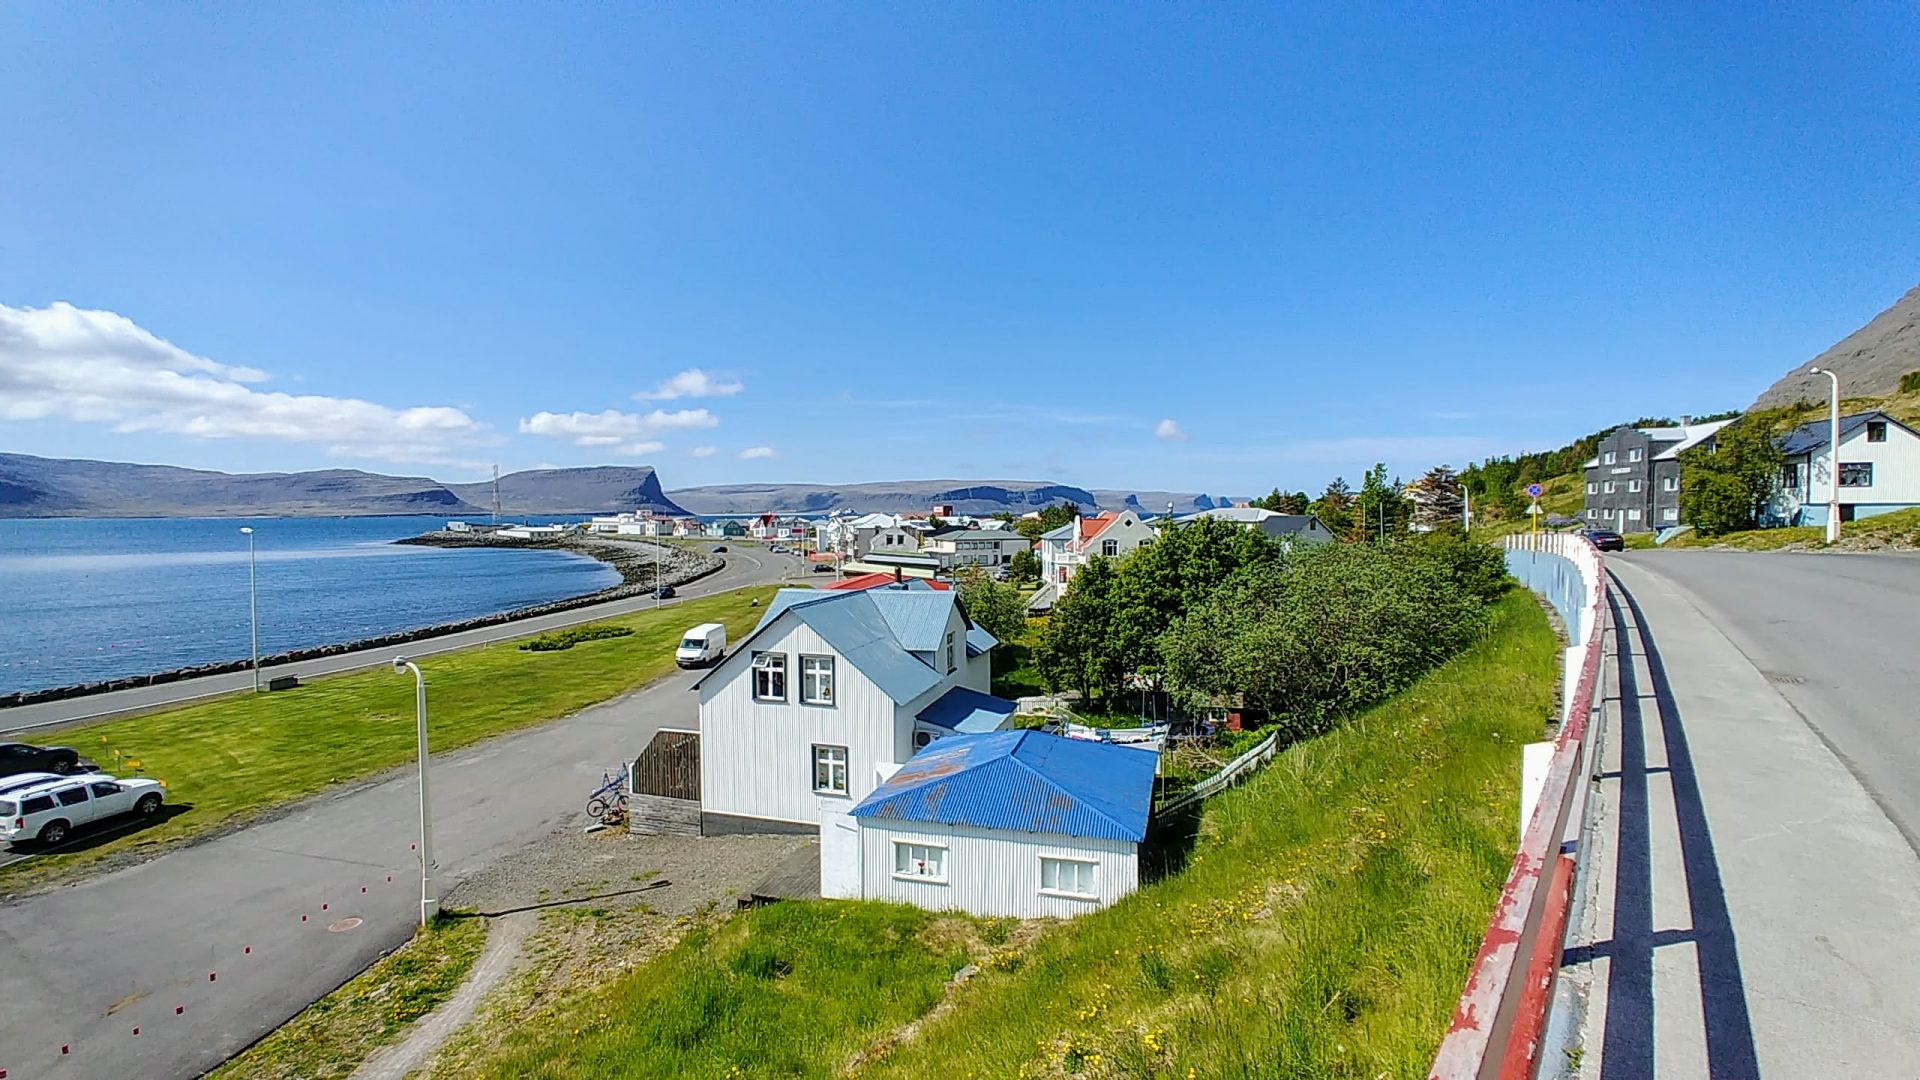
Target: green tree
x,y
994,606
1334,507
1024,566
1437,499
1075,649
1162,580
1727,481
1380,509
1055,516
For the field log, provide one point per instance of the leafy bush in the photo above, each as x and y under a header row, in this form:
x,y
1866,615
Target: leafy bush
x,y
1910,383
571,636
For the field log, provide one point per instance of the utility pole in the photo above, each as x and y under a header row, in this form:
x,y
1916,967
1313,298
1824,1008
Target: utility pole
x,y
496,494
429,903
253,607
1833,457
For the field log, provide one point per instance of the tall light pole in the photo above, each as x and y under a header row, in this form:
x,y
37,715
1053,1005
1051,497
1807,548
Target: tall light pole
x,y
1833,456
429,903
253,607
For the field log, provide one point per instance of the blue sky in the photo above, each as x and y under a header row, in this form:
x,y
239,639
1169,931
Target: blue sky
x,y
1204,248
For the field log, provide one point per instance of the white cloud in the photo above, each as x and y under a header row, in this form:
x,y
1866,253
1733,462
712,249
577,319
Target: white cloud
x,y
622,433
753,453
69,363
702,451
692,382
1169,431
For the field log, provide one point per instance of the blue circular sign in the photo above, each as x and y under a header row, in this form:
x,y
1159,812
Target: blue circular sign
x,y
1533,490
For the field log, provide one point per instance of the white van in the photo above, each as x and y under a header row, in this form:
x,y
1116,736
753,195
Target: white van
x,y
704,644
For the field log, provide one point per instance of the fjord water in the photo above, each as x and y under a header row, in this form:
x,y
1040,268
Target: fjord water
x,y
89,599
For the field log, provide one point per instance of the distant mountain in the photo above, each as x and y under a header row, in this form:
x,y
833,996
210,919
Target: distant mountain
x,y
55,487
602,489
1869,361
980,498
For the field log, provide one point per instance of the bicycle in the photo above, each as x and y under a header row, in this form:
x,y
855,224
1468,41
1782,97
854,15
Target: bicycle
x,y
608,803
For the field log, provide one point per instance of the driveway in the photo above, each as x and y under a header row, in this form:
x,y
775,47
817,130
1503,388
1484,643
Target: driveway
x,y
744,566
216,929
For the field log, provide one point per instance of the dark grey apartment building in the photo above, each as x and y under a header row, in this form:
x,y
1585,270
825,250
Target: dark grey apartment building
x,y
1633,482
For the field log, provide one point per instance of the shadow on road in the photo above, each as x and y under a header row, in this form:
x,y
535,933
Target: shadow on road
x,y
569,901
1628,1044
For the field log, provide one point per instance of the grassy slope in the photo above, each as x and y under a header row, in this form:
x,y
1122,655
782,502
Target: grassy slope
x,y
1900,529
238,755
335,1034
1322,929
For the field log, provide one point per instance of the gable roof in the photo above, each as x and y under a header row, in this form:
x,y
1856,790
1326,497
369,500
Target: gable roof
x,y
877,630
979,641
1686,437
968,711
1812,435
1022,781
877,580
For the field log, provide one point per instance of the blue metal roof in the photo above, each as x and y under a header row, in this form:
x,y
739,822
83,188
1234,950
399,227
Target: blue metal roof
x,y
1022,781
877,630
979,641
968,711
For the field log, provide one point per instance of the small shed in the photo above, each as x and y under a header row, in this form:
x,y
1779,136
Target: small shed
x,y
1018,823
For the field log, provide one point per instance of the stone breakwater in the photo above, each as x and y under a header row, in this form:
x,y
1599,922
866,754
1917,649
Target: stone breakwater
x,y
635,560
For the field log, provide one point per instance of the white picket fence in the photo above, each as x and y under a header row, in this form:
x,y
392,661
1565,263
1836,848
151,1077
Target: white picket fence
x,y
1259,754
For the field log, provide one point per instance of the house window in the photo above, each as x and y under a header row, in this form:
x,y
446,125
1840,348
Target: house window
x,y
950,664
919,862
1876,431
1067,877
1633,454
1790,476
1609,487
1856,474
1592,488
1606,458
1633,514
770,676
1633,486
830,770
1669,514
1671,483
1109,548
816,680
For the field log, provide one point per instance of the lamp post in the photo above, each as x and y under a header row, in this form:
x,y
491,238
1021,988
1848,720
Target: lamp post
x,y
1833,456
429,903
253,607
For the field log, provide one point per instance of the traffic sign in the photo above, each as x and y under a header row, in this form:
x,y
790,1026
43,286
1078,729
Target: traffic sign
x,y
1533,490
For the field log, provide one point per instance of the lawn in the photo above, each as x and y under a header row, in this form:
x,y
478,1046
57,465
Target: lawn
x,y
331,1037
1900,529
234,756
1321,926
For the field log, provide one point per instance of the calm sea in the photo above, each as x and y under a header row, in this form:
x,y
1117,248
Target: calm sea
x,y
88,599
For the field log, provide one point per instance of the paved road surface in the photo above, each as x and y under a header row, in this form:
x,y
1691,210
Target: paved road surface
x,y
744,566
85,965
1750,910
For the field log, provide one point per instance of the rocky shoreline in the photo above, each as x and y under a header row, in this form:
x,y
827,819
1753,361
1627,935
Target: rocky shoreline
x,y
635,560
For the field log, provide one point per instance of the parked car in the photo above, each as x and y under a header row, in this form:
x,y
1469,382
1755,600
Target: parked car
x,y
665,592
720,550
704,644
49,808
822,568
18,758
1606,540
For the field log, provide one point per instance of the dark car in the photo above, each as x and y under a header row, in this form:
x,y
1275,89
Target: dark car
x,y
665,592
721,550
822,568
1606,540
21,758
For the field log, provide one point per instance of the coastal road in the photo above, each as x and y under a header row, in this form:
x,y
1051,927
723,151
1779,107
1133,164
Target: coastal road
x,y
744,565
86,965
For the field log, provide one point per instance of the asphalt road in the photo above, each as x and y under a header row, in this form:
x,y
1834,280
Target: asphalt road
x,y
1839,636
744,566
86,965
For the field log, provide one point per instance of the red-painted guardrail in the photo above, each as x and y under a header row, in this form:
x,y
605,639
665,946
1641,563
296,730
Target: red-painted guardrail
x,y
1496,1028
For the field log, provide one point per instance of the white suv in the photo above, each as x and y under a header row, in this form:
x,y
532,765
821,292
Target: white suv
x,y
47,807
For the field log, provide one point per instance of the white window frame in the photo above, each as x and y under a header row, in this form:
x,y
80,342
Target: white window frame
x,y
951,665
1110,548
834,759
1593,488
1858,467
1608,488
1606,458
772,666
1087,867
1633,514
1670,483
1633,487
1633,454
816,680
916,860
1670,514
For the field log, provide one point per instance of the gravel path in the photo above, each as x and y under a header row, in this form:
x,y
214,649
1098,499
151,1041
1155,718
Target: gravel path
x,y
396,1060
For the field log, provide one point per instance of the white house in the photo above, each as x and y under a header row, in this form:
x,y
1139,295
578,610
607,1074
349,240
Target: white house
x,y
973,547
1017,823
831,693
1879,469
1288,529
1064,550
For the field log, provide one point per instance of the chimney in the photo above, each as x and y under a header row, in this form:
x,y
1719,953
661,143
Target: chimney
x,y
1685,419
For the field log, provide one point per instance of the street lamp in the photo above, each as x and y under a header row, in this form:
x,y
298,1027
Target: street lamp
x,y
429,903
1833,457
253,607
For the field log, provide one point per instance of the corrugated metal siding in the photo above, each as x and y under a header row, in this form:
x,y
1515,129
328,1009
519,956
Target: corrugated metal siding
x,y
1896,468
993,873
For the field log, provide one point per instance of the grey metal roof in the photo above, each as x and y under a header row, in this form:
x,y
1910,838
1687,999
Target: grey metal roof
x,y
1812,435
1022,781
968,711
876,630
979,641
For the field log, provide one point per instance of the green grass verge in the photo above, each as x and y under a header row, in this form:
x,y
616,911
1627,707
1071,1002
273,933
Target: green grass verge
x,y
795,989
235,756
1322,927
1900,529
335,1034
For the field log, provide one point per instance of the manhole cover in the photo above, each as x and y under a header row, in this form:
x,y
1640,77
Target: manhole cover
x,y
343,926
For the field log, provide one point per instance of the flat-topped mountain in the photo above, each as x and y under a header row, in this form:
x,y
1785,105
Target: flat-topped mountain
x,y
58,487
600,489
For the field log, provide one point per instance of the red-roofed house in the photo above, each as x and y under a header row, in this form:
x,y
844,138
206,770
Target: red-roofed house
x,y
868,581
1067,548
